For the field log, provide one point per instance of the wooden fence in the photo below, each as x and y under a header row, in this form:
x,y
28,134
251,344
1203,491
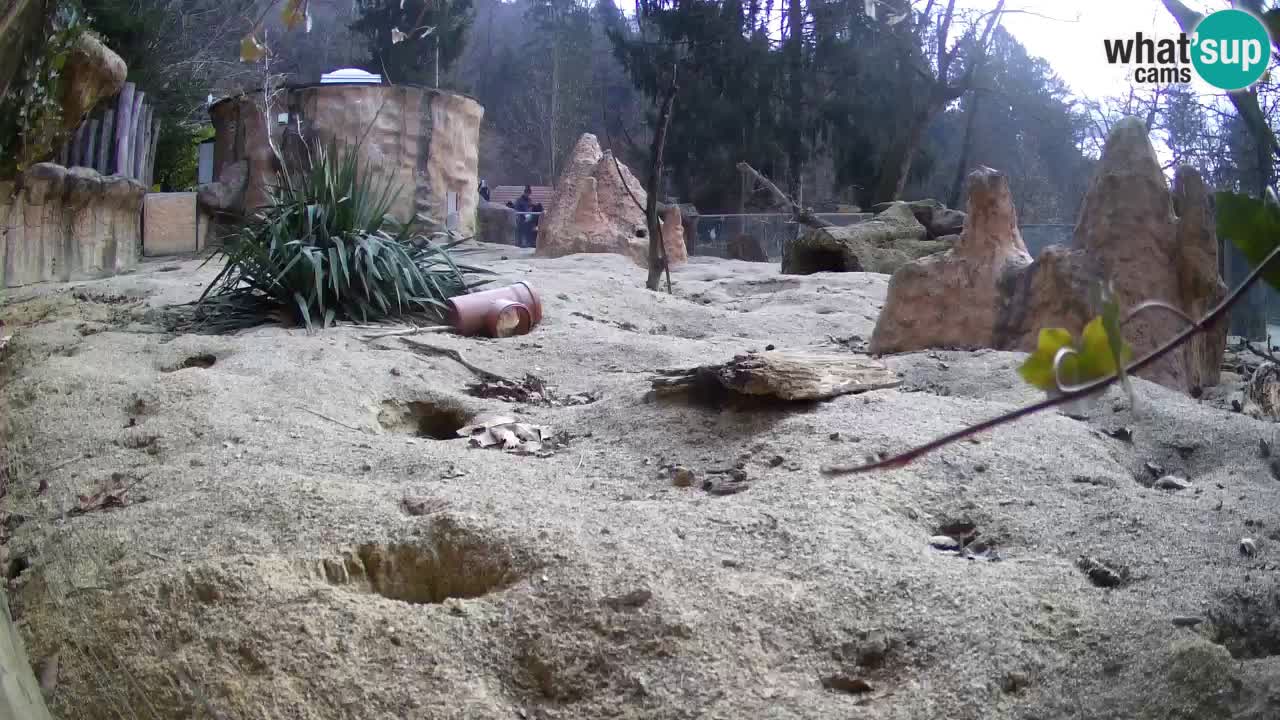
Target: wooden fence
x,y
118,138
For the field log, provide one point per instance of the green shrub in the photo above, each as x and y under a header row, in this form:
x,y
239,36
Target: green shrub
x,y
326,249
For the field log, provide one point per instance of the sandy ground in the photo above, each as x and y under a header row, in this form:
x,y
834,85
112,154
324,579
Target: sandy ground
x,y
291,546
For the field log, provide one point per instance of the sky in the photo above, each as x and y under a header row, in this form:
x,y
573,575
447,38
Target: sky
x,y
1069,34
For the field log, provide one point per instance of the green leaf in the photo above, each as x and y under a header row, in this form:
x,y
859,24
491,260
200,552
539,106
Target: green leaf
x,y
1037,369
1253,226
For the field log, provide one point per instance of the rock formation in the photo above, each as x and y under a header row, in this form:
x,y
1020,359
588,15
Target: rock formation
x,y
426,140
987,292
882,244
93,72
495,223
68,224
594,212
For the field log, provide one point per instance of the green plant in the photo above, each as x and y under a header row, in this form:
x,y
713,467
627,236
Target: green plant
x,y
325,248
31,122
1100,356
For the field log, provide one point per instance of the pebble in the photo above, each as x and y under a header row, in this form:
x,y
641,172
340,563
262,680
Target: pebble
x,y
1154,469
1248,547
1186,620
1172,482
944,542
776,460
834,436
682,476
738,475
1015,681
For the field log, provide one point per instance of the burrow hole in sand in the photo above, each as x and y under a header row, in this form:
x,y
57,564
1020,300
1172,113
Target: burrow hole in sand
x,y
451,563
423,418
204,361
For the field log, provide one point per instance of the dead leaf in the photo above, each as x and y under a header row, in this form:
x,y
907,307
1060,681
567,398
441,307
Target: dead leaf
x,y
251,51
505,431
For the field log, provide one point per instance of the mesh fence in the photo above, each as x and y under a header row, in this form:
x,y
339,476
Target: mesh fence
x,y
772,230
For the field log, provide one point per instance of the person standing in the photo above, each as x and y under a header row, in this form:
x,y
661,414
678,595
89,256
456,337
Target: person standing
x,y
524,206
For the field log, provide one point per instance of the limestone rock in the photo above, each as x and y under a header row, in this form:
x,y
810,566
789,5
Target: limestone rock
x,y
937,219
1128,233
952,299
882,244
226,195
92,72
424,140
68,224
495,223
597,211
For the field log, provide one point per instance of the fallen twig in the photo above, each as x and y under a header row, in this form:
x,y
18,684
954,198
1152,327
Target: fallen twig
x,y
456,357
1201,325
409,331
322,416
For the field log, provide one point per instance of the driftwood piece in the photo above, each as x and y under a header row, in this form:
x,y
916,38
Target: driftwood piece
x,y
792,376
802,215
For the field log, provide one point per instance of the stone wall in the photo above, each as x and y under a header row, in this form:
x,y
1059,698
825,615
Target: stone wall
x,y
171,225
426,139
61,224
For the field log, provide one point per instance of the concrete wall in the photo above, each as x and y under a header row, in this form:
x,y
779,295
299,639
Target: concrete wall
x,y
60,224
426,139
171,225
20,696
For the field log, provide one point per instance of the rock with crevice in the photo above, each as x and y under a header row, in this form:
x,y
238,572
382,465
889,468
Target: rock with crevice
x,y
1149,242
882,245
597,209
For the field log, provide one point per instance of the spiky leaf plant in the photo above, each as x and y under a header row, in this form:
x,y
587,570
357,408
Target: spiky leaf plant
x,y
325,249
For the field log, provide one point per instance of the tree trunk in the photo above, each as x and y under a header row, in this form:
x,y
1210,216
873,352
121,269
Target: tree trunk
x,y
796,113
896,167
966,148
657,246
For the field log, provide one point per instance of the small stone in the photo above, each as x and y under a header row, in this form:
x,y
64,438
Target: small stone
x,y
834,436
1186,620
776,460
1236,406
395,372
1015,681
980,467
1274,466
1171,482
730,563
682,476
365,467
1248,547
1154,469
562,296
944,542
770,347
738,475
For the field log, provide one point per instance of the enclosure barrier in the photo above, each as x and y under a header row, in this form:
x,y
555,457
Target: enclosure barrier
x,y
118,138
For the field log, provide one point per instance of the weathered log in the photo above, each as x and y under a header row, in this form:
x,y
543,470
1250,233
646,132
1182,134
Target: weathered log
x,y
124,107
105,143
783,375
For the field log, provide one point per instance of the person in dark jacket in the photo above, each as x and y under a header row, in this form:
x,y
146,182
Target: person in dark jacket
x,y
524,206
537,216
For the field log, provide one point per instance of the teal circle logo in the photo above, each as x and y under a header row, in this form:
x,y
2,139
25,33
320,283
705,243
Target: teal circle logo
x,y
1232,49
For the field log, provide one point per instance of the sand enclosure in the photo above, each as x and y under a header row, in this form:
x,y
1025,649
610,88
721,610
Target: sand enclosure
x,y
273,527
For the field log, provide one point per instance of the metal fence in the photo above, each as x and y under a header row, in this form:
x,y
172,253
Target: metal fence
x,y
772,230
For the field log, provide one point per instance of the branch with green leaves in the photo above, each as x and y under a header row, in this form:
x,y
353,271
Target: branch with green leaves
x,y
1071,369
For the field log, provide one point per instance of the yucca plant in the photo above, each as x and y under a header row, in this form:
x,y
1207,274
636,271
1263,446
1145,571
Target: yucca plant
x,y
325,248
